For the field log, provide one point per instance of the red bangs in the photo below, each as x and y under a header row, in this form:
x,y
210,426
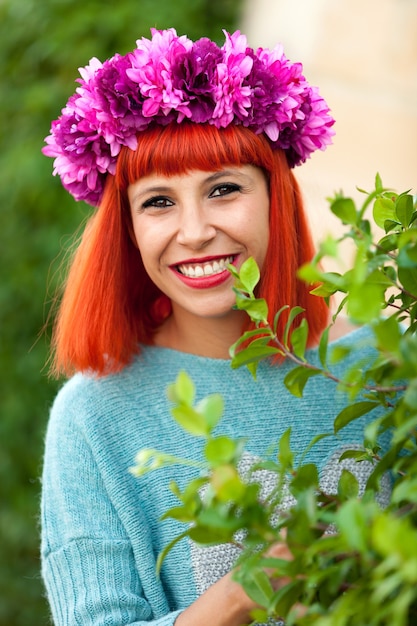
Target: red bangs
x,y
180,148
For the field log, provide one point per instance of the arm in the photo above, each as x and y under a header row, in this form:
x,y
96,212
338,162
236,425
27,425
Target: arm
x,y
225,603
90,559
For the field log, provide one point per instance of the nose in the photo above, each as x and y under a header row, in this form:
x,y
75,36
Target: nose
x,y
195,228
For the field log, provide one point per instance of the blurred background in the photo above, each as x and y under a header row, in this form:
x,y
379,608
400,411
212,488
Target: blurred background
x,y
362,54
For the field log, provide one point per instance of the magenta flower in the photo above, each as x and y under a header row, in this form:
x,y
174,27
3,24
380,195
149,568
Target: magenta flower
x,y
231,95
151,69
169,78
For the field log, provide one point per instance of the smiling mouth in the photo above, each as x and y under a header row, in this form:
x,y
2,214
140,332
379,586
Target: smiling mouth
x,y
209,268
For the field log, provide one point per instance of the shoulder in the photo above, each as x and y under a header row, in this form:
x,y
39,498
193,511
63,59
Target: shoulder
x,y
88,401
87,396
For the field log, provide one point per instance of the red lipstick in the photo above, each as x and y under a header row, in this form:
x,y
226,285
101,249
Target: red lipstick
x,y
204,281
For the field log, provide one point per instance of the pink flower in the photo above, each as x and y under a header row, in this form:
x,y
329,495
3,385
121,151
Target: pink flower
x,y
231,95
169,78
152,67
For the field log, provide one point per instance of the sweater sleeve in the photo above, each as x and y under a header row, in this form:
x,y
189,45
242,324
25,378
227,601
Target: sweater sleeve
x,y
88,564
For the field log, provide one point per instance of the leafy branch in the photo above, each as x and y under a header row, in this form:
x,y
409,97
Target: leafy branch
x,y
353,561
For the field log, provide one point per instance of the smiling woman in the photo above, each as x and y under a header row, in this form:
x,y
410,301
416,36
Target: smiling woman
x,y
186,148
187,228
109,269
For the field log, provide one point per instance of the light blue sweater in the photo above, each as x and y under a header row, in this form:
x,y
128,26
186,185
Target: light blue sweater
x,y
101,528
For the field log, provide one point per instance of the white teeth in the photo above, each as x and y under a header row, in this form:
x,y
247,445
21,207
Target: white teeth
x,y
205,269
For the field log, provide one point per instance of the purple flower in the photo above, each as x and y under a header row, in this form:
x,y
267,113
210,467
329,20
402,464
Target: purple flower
x,y
231,95
151,69
195,76
169,78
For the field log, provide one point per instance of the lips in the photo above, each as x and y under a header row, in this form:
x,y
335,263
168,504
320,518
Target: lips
x,y
204,273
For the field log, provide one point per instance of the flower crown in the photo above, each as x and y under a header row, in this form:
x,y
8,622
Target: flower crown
x,y
170,78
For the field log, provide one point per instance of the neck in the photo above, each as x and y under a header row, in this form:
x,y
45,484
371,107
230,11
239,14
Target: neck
x,y
210,337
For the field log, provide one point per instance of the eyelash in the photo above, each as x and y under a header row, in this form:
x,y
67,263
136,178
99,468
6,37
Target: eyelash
x,y
224,189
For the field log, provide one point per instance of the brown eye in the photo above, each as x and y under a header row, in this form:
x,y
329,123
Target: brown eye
x,y
158,202
224,189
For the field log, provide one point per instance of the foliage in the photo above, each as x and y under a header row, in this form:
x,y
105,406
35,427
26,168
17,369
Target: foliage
x,y
366,571
42,45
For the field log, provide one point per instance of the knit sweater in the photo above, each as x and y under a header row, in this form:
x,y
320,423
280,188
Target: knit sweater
x,y
101,528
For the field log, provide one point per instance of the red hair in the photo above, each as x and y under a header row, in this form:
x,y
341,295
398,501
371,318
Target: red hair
x,y
110,305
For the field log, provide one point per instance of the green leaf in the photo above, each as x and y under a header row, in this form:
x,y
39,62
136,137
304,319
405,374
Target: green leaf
x,y
405,491
352,523
348,486
309,273
257,586
249,274
379,277
220,450
190,420
323,345
226,483
184,514
338,353
352,412
378,183
407,257
211,407
250,334
324,290
208,536
358,455
253,354
278,315
389,242
256,308
410,396
183,390
388,334
364,302
345,210
285,455
384,209
329,247
219,518
299,339
306,477
408,279
286,597
404,209
291,317
297,378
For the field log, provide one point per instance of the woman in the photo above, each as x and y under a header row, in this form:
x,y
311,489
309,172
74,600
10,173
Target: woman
x,y
186,148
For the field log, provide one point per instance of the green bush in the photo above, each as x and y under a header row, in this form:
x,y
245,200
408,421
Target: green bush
x,y
366,572
42,44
